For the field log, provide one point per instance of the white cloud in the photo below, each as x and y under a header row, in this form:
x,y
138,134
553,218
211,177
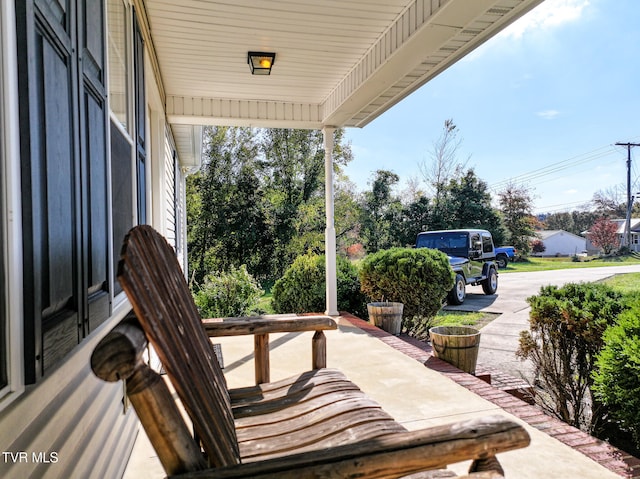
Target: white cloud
x,y
572,191
549,14
548,114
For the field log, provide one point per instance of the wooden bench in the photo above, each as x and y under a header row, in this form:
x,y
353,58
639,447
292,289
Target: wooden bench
x,y
317,424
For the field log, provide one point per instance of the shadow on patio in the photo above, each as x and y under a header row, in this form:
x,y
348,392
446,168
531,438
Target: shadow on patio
x,y
392,371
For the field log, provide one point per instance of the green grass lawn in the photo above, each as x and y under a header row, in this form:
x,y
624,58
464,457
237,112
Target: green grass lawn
x,y
625,283
264,305
463,318
547,264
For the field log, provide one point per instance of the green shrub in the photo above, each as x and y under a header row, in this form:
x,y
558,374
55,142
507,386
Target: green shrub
x,y
420,278
231,293
565,336
617,378
302,288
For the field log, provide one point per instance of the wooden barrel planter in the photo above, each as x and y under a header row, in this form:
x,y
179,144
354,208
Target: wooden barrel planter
x,y
386,315
457,345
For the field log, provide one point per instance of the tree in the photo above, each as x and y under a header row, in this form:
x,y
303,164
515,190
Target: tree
x,y
582,220
258,199
294,172
604,235
467,202
576,221
516,205
347,212
537,246
381,212
411,191
610,202
444,164
294,188
223,200
416,217
560,221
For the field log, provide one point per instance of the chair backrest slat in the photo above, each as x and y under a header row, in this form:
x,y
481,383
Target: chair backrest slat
x,y
155,284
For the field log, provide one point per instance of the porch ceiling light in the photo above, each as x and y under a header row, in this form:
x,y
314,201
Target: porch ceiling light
x,y
261,62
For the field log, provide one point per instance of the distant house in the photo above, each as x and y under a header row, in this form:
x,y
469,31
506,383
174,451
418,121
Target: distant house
x,y
561,243
620,222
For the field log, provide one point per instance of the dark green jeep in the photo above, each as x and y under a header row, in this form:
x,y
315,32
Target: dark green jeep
x,y
471,255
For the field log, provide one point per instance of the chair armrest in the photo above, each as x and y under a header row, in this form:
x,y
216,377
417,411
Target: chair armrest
x,y
394,455
261,326
274,323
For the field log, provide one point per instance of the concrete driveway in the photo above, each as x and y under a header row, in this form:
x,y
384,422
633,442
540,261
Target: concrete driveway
x,y
499,339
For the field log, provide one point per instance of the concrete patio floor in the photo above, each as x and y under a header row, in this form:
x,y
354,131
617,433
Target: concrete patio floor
x,y
415,395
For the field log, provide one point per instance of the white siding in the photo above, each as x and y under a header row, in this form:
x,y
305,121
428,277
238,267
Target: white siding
x,y
172,200
73,414
181,217
563,243
169,189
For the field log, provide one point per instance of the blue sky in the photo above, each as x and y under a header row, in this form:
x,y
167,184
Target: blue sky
x,y
550,96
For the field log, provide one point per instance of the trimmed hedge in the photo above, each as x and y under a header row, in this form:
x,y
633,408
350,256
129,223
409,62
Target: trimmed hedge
x,y
565,336
231,293
617,378
420,278
302,288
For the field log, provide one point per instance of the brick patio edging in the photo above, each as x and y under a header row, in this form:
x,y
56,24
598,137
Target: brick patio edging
x,y
599,451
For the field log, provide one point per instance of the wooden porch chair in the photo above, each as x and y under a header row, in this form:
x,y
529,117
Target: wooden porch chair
x,y
317,424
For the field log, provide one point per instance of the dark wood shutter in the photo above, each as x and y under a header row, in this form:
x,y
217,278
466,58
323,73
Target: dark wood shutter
x,y
94,116
63,131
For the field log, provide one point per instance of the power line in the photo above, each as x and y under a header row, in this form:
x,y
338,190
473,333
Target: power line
x,y
562,206
556,167
552,168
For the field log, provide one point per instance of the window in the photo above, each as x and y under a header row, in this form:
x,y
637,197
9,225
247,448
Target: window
x,y
128,148
11,317
141,127
118,46
122,192
4,326
487,243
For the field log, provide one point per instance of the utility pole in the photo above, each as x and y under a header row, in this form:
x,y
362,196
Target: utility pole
x,y
629,205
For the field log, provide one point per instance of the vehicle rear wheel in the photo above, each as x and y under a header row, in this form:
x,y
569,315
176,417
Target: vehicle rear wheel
x,y
490,285
459,291
502,260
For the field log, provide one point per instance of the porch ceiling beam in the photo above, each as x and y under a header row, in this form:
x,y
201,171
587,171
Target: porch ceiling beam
x,y
254,113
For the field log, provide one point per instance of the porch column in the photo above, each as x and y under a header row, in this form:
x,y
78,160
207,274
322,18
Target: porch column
x,y
330,231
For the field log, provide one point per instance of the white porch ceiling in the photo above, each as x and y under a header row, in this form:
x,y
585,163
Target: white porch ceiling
x,y
339,62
